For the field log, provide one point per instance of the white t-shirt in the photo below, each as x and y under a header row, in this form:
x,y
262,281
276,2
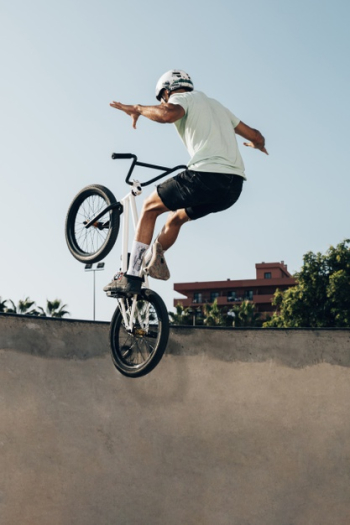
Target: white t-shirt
x,y
207,130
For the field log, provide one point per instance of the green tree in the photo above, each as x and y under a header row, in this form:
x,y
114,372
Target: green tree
x,y
22,308
246,315
213,315
53,309
27,307
3,305
182,316
321,297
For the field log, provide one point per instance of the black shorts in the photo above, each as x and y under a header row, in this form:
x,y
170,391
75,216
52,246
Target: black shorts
x,y
200,193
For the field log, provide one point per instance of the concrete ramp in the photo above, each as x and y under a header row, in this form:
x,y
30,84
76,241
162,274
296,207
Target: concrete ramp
x,y
234,427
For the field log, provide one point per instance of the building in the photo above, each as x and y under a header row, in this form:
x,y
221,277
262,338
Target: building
x,y
269,277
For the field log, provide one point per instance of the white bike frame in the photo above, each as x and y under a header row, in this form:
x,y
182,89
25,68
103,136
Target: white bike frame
x,y
129,208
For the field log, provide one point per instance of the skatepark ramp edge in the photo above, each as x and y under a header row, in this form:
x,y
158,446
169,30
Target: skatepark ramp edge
x,y
81,339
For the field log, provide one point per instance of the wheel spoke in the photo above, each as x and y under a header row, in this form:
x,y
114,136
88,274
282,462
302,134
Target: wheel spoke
x,y
91,240
137,348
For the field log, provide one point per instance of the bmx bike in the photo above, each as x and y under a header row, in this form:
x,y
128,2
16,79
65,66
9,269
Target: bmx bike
x,y
139,328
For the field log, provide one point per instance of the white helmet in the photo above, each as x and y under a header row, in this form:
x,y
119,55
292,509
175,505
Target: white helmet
x,y
173,79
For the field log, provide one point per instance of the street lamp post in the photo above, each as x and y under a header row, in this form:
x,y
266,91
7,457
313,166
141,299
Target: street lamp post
x,y
90,268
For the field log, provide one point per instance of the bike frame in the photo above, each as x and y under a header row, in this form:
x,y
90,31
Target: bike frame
x,y
128,211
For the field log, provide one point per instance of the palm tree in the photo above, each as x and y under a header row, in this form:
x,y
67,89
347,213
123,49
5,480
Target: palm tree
x,y
22,308
3,305
213,315
246,315
182,316
55,308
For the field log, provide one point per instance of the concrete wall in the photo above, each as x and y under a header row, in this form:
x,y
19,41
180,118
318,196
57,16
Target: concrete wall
x,y
243,427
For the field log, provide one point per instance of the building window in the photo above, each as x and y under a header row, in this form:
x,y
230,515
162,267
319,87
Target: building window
x,y
213,296
267,275
248,295
197,297
231,296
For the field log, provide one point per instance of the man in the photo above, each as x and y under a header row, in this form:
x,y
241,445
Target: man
x,y
212,183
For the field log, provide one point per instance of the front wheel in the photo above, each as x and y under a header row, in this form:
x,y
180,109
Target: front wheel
x,y
138,342
90,245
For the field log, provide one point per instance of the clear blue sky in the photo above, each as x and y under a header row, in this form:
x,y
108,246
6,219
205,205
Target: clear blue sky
x,y
280,66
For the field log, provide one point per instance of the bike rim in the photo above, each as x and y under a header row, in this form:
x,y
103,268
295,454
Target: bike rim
x,y
91,240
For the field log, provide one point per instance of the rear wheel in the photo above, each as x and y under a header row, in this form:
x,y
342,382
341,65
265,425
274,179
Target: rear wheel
x,y
90,245
137,352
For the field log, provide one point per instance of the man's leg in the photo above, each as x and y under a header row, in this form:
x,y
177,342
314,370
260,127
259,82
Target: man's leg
x,y
155,261
152,208
171,228
131,283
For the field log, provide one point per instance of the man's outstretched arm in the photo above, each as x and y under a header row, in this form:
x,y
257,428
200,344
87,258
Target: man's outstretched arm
x,y
163,113
256,140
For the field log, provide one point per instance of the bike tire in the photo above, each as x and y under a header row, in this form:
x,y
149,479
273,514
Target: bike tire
x,y
137,354
93,244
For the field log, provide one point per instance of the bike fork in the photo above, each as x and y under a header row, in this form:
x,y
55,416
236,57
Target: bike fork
x,y
128,314
128,317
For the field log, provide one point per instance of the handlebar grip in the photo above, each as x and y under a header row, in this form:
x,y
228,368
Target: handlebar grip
x,y
123,156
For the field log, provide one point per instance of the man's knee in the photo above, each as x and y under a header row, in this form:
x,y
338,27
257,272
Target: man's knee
x,y
153,205
178,218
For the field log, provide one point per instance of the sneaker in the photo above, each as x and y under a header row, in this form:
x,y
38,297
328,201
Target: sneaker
x,y
157,267
125,284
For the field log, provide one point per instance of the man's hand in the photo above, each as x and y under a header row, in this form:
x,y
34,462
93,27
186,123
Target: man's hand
x,y
132,111
256,140
256,146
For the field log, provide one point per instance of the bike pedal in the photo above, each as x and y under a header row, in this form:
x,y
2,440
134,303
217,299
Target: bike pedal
x,y
114,295
119,295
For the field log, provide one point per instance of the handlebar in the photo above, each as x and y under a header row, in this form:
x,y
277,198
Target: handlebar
x,y
123,156
135,162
